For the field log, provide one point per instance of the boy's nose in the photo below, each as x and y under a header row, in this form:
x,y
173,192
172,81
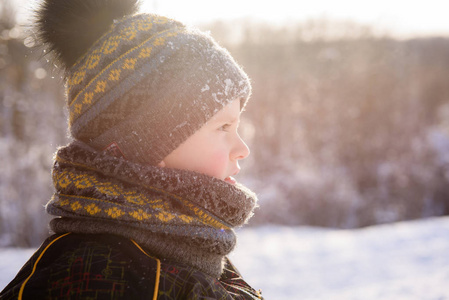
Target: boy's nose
x,y
241,150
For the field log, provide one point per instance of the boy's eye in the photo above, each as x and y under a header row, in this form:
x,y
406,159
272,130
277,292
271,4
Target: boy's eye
x,y
224,127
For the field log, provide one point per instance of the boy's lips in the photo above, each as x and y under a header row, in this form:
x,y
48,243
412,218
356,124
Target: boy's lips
x,y
230,180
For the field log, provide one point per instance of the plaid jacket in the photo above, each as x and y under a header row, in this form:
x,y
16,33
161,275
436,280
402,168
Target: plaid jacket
x,y
103,266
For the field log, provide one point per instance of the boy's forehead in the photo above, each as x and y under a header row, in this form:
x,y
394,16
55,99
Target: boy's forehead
x,y
229,112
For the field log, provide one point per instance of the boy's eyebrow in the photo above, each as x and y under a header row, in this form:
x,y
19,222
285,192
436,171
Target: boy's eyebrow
x,y
227,118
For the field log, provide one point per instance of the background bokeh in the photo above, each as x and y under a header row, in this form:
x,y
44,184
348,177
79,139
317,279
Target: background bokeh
x,y
348,124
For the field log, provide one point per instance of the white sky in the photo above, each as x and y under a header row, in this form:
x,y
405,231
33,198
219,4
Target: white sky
x,y
404,17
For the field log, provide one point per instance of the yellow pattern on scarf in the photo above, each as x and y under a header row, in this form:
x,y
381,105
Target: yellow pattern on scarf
x,y
149,207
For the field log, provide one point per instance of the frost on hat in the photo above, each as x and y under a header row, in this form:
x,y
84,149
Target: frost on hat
x,y
139,84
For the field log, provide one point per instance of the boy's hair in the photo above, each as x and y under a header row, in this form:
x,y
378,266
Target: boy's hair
x,y
138,84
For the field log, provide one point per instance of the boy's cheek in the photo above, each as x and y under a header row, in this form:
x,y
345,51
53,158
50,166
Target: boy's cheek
x,y
218,164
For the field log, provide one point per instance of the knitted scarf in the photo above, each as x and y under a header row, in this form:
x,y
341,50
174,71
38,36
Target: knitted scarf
x,y
177,215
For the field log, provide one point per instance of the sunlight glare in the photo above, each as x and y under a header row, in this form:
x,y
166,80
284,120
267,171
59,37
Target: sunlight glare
x,y
400,16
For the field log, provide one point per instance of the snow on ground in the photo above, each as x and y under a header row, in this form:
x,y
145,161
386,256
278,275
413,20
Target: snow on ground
x,y
11,260
408,260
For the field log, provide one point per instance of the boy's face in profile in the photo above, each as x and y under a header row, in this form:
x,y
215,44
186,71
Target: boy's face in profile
x,y
215,148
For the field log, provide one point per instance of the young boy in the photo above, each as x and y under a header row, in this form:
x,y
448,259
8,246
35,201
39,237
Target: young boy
x,y
145,201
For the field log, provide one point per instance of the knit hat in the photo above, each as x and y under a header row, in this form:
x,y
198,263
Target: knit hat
x,y
138,84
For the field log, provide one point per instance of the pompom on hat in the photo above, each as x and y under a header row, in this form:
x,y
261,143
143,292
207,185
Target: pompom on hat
x,y
136,84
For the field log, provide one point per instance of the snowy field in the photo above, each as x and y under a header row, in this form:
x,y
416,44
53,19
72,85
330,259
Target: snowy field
x,y
403,261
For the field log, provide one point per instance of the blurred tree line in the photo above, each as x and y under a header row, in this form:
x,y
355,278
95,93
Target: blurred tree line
x,y
32,124
347,127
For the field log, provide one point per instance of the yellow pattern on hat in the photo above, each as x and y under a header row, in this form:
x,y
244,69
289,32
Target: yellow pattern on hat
x,y
125,63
